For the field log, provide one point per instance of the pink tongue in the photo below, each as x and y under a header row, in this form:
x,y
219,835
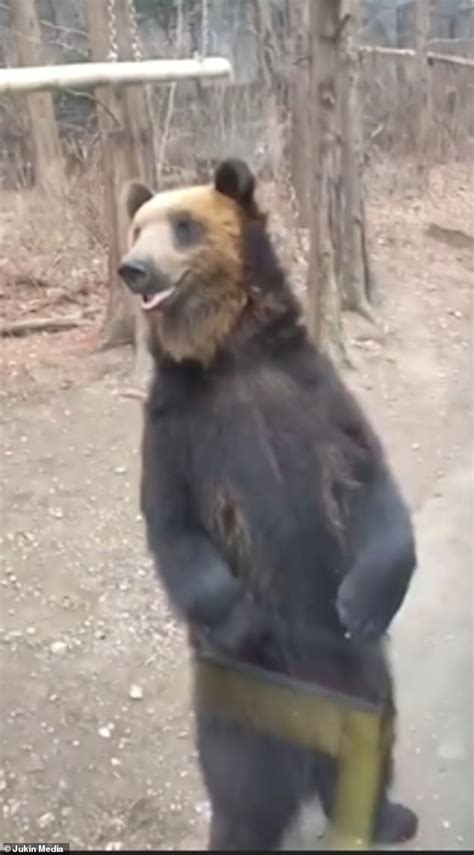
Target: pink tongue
x,y
156,300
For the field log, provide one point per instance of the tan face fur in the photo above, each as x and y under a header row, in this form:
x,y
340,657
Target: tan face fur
x,y
185,262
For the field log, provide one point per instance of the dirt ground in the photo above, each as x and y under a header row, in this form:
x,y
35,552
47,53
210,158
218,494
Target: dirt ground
x,y
96,736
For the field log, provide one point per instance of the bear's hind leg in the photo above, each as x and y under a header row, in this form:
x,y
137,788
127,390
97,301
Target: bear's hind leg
x,y
255,784
393,823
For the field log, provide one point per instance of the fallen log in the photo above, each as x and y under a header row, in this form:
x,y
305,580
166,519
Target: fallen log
x,y
26,326
452,237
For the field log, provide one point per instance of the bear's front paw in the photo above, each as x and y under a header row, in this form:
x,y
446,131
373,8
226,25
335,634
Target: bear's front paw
x,y
243,629
357,611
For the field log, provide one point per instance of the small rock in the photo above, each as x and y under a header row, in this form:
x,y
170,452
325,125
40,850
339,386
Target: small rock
x,y
446,823
120,470
203,809
113,846
35,764
57,513
46,819
15,806
58,647
106,730
451,749
135,692
115,761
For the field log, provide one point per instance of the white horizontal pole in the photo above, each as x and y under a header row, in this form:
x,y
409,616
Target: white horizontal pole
x,y
88,75
448,58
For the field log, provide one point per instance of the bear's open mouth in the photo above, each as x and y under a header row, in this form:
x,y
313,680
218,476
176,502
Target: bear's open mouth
x,y
154,301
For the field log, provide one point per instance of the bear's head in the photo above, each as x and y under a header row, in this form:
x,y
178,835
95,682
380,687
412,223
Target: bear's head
x,y
190,259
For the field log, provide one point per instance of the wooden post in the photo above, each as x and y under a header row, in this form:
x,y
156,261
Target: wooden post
x,y
422,84
49,168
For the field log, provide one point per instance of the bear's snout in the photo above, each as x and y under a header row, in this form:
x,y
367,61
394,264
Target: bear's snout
x,y
136,273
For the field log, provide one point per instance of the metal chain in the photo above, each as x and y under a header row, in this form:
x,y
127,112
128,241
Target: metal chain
x,y
172,93
179,28
113,52
137,53
136,40
204,28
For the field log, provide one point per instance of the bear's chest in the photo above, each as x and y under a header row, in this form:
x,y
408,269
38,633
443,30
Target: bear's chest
x,y
256,488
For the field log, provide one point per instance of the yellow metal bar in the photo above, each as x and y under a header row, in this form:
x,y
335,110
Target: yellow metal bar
x,y
268,705
361,758
349,729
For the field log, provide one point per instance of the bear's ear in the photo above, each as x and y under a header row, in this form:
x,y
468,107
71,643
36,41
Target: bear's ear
x,y
134,195
233,178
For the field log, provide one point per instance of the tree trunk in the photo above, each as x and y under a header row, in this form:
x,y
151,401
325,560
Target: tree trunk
x,y
299,96
422,85
48,160
127,152
324,294
358,285
339,274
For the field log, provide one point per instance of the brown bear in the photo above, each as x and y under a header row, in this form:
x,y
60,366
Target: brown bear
x,y
278,530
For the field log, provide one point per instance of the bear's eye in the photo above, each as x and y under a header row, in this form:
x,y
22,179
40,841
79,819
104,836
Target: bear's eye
x,y
186,230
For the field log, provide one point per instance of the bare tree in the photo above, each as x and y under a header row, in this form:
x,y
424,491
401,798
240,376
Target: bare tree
x,y
128,152
47,147
339,275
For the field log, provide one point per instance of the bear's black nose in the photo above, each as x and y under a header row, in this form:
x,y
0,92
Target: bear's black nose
x,y
136,276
